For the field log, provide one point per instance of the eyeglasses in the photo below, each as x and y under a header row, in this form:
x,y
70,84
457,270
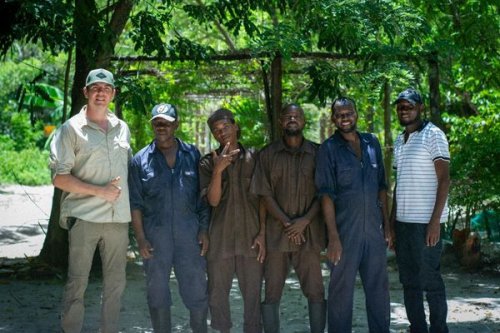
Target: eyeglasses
x,y
96,89
349,114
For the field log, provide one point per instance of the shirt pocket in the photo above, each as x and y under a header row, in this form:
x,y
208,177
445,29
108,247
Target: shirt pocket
x,y
121,151
253,198
189,188
153,187
91,152
345,177
276,174
373,173
307,178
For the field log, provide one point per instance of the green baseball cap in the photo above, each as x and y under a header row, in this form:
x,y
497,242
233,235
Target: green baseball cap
x,y
100,75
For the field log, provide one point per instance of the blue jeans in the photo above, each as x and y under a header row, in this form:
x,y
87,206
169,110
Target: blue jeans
x,y
419,271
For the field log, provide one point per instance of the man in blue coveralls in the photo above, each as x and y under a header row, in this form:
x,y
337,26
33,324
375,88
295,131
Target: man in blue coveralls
x,y
350,180
170,221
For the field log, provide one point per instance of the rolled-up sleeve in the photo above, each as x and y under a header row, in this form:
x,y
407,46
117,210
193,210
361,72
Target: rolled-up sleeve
x,y
135,185
261,182
62,151
325,170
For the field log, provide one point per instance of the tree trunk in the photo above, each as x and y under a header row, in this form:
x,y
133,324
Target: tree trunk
x,y
276,96
94,47
434,90
323,125
66,85
267,96
55,246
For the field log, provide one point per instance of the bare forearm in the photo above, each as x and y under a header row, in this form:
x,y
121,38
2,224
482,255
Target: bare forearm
x,y
382,197
313,210
262,216
443,178
273,208
215,189
145,248
392,217
109,192
441,196
328,208
71,184
137,224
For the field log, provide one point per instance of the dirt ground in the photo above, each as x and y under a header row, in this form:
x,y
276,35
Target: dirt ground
x,y
33,305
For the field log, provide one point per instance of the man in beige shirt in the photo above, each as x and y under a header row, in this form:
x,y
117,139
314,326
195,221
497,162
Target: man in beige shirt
x,y
89,163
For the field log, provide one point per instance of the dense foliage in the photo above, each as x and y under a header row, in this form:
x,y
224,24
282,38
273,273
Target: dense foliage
x,y
205,54
476,163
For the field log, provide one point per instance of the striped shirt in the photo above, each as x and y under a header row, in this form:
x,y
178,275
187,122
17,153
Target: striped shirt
x,y
416,179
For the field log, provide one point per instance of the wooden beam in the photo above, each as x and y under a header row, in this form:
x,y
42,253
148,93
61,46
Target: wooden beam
x,y
238,55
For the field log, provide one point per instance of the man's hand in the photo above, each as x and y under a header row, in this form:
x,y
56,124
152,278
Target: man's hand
x,y
389,239
296,227
145,248
111,192
393,239
203,241
260,242
222,161
295,238
334,250
298,240
433,233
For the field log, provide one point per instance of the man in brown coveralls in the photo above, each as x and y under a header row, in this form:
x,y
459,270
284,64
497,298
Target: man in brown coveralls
x,y
295,234
237,241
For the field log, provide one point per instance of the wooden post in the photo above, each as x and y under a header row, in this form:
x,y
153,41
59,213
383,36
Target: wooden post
x,y
276,92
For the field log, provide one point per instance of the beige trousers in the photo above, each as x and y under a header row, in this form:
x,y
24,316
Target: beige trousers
x,y
84,237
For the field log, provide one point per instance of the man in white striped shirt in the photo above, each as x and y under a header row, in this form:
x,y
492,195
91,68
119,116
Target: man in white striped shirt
x,y
421,161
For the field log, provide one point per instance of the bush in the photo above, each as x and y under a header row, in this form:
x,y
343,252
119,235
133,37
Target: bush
x,y
25,167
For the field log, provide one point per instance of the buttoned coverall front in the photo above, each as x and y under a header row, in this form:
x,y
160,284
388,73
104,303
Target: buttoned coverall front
x,y
353,185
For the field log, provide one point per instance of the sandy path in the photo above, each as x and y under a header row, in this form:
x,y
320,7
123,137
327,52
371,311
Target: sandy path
x,y
24,216
33,306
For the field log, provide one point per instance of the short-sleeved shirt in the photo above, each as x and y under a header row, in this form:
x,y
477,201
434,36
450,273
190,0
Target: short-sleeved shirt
x,y
353,184
287,175
416,179
83,149
168,197
234,222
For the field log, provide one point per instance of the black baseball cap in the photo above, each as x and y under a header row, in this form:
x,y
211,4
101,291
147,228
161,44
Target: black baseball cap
x,y
410,95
